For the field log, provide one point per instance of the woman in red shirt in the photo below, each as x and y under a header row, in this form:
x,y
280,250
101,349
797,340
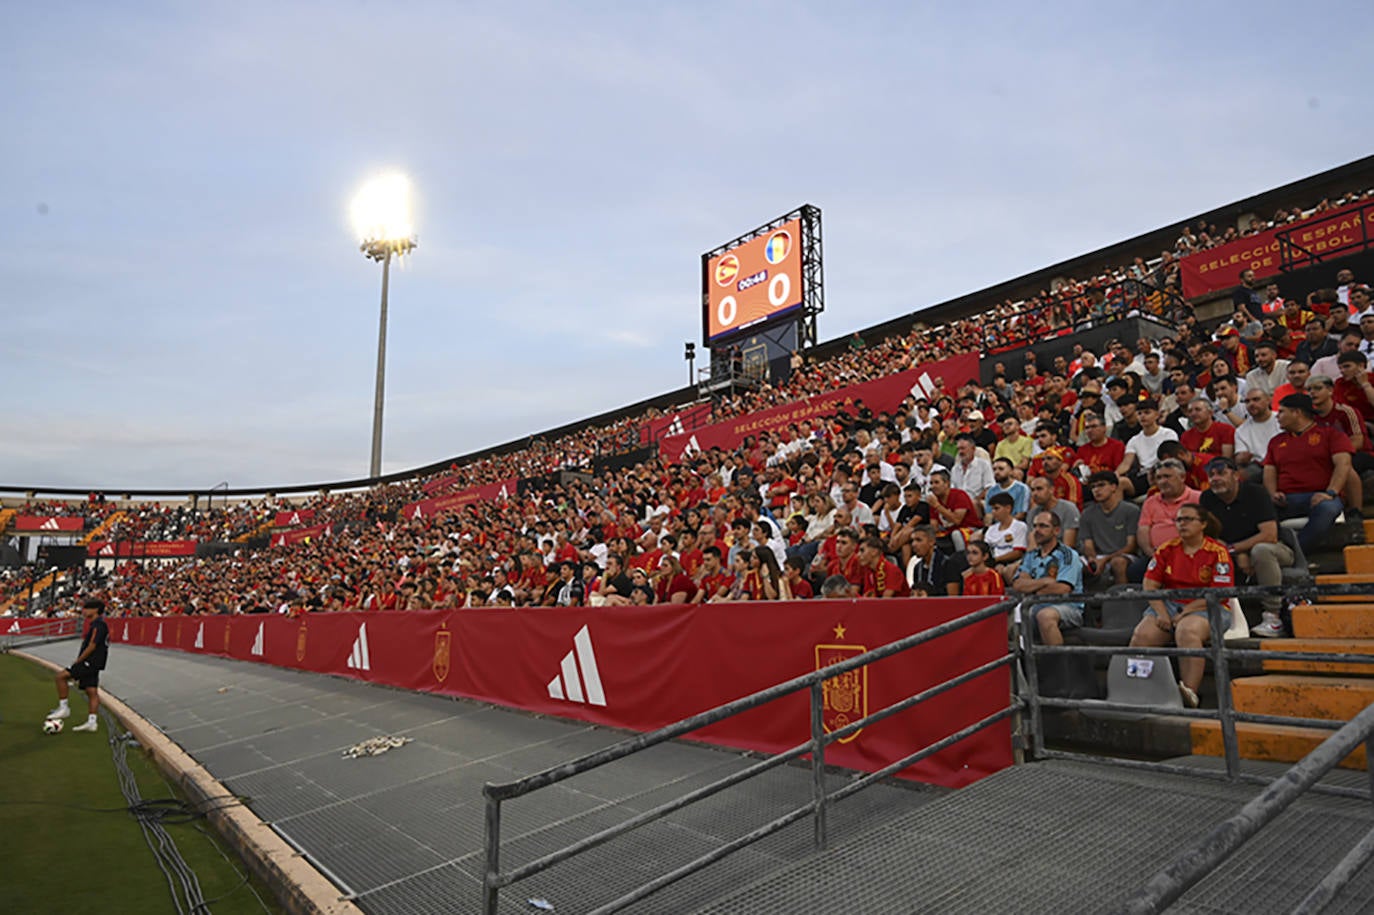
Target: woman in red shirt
x,y
978,578
1193,559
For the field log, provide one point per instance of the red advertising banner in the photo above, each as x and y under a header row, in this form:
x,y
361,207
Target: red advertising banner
x,y
294,518
49,525
427,508
1219,268
645,667
675,423
879,395
141,549
39,626
299,534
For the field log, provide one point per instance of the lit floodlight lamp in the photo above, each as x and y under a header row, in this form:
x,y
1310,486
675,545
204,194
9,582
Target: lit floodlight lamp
x,y
384,222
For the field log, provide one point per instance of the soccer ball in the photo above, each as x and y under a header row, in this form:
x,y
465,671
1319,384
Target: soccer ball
x,y
52,726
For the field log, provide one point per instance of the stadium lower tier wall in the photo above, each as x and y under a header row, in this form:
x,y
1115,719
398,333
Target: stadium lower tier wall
x,y
1062,343
641,668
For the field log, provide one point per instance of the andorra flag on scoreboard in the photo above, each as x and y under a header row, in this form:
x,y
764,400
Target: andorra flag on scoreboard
x,y
754,282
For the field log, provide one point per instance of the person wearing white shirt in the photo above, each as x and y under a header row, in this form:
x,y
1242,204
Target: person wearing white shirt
x,y
1253,435
1142,451
1269,371
971,473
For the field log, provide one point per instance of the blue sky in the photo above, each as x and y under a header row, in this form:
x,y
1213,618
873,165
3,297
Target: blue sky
x,y
184,301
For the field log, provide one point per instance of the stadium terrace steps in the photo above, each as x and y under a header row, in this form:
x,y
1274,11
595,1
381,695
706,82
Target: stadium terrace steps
x,y
1346,578
1275,742
39,586
1359,558
261,530
1329,698
6,516
99,530
1337,646
1334,621
1369,530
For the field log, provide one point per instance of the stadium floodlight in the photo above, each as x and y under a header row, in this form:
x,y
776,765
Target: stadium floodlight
x,y
383,220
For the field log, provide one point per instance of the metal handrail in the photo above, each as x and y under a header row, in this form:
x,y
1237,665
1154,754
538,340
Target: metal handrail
x,y
1288,261
1194,864
1209,852
496,793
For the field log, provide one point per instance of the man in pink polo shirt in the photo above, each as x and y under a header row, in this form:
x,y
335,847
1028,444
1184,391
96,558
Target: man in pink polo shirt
x,y
1157,525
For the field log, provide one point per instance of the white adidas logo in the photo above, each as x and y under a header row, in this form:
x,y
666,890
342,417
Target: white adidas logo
x,y
924,388
504,493
417,514
568,685
49,525
692,447
295,518
257,648
158,640
14,628
200,637
360,658
675,427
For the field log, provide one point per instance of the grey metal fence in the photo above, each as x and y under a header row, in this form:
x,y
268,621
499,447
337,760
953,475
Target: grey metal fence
x,y
495,879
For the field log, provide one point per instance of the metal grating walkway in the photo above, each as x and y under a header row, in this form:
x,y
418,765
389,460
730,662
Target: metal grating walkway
x,y
402,832
1067,837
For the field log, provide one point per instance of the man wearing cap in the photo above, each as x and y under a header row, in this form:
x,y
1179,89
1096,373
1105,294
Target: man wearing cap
x,y
1142,450
1250,530
1306,468
1234,350
983,437
1253,435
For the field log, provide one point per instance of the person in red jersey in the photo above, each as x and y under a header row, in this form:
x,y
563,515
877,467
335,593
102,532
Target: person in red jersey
x,y
713,580
1306,468
978,578
1100,451
880,577
1355,387
1205,439
1193,559
845,560
952,511
1066,485
793,569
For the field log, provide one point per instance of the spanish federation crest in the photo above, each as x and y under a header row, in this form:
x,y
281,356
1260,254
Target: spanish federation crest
x,y
300,642
443,643
845,697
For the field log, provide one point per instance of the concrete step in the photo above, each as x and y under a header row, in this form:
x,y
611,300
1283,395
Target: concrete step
x,y
1298,696
1359,559
1334,646
1334,621
1347,578
1369,530
1276,742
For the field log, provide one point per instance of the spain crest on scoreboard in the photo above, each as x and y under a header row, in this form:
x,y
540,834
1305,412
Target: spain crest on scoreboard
x,y
300,642
845,697
443,643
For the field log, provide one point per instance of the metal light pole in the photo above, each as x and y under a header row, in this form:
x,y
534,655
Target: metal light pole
x,y
381,214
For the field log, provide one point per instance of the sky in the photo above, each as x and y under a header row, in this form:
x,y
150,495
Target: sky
x,y
183,298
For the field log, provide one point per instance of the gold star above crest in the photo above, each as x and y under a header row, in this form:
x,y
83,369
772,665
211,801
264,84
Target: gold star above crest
x,y
839,630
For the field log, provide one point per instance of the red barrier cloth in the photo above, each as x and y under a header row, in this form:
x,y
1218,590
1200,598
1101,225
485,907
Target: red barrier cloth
x,y
55,525
427,508
645,667
1219,268
294,518
28,625
298,534
882,394
675,423
154,549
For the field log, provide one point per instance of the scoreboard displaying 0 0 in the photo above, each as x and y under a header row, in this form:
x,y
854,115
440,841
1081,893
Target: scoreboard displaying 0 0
x,y
752,283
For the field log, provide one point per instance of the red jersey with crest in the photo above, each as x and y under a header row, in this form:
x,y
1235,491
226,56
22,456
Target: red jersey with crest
x,y
1107,456
1172,567
1304,461
988,582
882,578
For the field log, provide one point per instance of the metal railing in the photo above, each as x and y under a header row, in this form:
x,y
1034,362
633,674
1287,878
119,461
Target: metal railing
x,y
1293,256
1209,852
495,879
1279,792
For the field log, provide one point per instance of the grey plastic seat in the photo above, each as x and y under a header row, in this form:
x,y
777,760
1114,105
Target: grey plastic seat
x,y
1142,681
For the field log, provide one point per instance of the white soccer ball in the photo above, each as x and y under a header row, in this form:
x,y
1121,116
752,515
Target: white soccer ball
x,y
52,726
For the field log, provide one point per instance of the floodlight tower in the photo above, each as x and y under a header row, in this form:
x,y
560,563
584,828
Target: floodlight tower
x,y
383,220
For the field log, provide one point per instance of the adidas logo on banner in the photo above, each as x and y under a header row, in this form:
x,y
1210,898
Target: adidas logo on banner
x,y
417,514
504,493
692,447
158,640
924,388
295,518
14,628
568,685
49,525
675,427
360,658
257,642
200,636
107,550
125,636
